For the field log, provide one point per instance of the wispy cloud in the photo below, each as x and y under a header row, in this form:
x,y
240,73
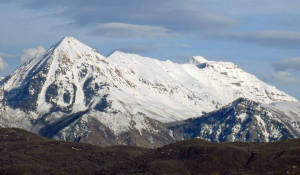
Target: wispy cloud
x,y
28,54
286,39
254,7
286,64
3,65
168,15
283,77
132,30
152,20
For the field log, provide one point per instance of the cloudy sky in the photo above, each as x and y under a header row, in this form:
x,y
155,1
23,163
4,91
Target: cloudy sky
x,y
262,37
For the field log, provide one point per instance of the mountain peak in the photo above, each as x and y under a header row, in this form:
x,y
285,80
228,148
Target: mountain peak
x,y
113,52
68,38
75,49
67,41
197,60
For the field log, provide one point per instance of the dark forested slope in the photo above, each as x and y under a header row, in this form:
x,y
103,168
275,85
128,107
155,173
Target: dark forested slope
x,y
23,152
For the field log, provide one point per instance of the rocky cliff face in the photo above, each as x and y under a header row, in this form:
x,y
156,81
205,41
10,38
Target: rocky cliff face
x,y
72,92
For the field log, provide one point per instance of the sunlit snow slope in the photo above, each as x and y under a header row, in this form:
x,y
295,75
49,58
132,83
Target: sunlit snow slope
x,y
73,77
209,82
71,86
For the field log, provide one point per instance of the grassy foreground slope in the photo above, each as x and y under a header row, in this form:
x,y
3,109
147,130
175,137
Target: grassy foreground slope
x,y
22,152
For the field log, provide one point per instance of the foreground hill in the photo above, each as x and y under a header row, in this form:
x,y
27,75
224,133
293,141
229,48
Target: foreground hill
x,y
22,152
73,93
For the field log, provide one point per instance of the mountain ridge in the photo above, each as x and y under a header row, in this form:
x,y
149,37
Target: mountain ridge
x,y
242,120
122,99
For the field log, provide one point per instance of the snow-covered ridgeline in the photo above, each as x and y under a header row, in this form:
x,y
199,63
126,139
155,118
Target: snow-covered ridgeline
x,y
245,121
123,90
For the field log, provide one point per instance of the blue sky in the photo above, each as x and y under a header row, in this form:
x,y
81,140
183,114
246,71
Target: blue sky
x,y
262,37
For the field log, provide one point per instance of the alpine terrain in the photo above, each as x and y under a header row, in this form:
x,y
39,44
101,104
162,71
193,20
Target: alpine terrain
x,y
243,120
74,93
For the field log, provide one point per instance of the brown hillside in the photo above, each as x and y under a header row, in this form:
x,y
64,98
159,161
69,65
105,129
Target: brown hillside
x,y
22,152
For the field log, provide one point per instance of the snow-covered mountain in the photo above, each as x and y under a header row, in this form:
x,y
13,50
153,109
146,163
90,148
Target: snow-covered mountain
x,y
221,82
243,120
72,92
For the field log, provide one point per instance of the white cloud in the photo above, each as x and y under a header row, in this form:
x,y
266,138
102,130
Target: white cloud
x,y
291,63
3,65
28,54
284,77
132,30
